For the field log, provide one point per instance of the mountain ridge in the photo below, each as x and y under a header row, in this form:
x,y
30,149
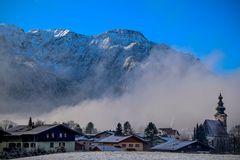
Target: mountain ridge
x,y
65,68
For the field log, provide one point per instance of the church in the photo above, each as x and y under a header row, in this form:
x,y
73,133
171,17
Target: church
x,y
216,130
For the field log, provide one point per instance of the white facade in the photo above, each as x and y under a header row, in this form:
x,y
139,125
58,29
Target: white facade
x,y
53,146
47,146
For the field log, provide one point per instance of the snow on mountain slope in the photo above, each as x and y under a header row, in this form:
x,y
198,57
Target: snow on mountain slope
x,y
63,67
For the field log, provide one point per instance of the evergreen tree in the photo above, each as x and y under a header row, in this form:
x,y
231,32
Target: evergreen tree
x,y
199,134
89,128
127,129
194,132
30,123
78,128
151,131
119,130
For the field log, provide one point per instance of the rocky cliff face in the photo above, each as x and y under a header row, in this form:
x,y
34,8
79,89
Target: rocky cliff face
x,y
42,69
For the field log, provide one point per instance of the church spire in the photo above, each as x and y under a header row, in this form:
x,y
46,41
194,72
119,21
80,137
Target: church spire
x,y
220,115
220,108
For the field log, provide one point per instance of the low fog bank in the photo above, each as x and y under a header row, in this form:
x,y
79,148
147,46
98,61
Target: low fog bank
x,y
179,96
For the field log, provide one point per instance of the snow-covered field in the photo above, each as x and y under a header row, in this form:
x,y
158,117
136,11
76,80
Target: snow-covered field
x,y
131,156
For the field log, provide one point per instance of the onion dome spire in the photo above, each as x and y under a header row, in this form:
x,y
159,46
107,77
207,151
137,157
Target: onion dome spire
x,y
220,108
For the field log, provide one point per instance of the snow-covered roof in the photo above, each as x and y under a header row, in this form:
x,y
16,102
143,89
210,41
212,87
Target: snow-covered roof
x,y
142,135
168,138
83,138
172,145
25,130
109,148
214,128
108,132
116,139
113,139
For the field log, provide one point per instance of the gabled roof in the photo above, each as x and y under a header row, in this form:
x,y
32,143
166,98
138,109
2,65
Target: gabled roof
x,y
107,132
113,139
214,128
83,138
25,130
108,148
141,135
117,139
89,136
173,145
167,139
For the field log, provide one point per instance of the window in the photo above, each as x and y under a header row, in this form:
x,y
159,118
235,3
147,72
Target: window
x,y
130,145
60,135
124,145
33,145
137,145
18,145
26,145
47,135
65,135
52,135
12,145
51,145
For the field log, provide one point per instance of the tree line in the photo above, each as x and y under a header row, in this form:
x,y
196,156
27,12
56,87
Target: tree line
x,y
150,132
125,130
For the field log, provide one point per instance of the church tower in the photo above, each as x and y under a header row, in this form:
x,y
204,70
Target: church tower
x,y
220,115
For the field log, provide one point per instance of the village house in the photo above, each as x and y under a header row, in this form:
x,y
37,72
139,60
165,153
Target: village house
x,y
45,137
216,130
129,143
84,143
88,142
169,132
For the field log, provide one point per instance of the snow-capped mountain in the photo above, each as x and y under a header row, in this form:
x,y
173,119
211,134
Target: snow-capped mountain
x,y
58,67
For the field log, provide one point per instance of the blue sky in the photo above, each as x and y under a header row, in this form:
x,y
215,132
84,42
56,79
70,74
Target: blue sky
x,y
202,27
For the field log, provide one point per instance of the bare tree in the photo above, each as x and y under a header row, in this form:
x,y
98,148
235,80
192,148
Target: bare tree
x,y
39,123
7,124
